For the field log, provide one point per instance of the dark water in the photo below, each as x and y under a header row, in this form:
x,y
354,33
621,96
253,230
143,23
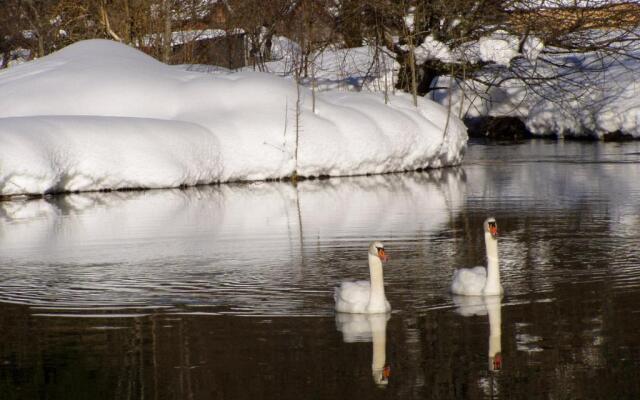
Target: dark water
x,y
226,292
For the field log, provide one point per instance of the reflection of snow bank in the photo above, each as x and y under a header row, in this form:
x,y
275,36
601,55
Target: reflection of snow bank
x,y
254,248
100,115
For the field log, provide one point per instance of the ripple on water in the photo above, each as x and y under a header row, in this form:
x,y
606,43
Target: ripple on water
x,y
275,249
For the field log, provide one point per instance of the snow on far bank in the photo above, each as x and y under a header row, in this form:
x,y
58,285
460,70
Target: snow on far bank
x,y
432,49
101,115
567,94
188,36
596,94
500,48
362,68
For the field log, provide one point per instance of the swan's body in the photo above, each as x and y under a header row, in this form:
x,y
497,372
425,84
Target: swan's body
x,y
479,281
365,297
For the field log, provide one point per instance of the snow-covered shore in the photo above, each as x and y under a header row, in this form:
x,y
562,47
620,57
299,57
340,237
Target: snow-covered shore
x,y
559,93
551,91
100,115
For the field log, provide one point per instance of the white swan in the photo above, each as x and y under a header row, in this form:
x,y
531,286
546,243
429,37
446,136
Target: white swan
x,y
479,281
368,328
365,297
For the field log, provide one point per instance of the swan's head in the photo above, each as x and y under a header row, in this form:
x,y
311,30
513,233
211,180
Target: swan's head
x,y
376,249
491,226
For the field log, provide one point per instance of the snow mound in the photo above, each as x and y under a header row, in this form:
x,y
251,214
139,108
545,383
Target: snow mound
x,y
100,115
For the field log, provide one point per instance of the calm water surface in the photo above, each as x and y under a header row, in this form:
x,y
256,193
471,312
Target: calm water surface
x,y
225,292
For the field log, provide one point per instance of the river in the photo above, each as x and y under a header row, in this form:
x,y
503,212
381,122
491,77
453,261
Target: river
x,y
225,292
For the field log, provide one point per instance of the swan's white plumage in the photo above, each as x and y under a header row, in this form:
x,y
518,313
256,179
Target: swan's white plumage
x,y
479,281
365,297
469,281
353,297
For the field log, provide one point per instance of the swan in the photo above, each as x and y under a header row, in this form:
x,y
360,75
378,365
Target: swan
x,y
365,297
479,281
368,328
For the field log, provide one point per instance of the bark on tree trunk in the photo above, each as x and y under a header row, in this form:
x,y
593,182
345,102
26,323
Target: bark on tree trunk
x,y
40,45
127,15
166,40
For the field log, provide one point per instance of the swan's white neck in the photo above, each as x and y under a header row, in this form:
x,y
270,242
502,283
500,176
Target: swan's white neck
x,y
377,299
495,331
492,286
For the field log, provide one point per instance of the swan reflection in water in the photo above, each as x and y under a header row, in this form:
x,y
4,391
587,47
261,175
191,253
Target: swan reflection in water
x,y
491,306
368,328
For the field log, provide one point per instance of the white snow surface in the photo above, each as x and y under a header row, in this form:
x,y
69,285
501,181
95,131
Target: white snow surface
x,y
532,48
100,115
433,49
188,36
363,68
578,94
500,47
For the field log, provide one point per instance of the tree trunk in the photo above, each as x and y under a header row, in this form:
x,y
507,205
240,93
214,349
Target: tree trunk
x,y
429,75
40,45
166,40
127,15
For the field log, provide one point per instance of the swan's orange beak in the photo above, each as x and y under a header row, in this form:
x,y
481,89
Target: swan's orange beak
x,y
386,371
493,230
382,255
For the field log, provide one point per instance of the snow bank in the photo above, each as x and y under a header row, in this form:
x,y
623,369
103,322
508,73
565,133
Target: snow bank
x,y
355,69
596,94
100,115
188,36
569,94
498,47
